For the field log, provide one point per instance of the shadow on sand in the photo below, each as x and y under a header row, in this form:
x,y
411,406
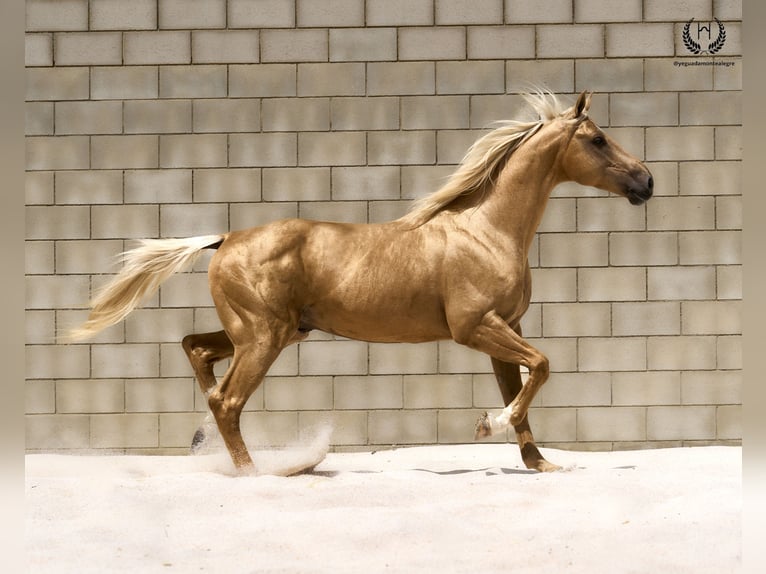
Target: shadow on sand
x,y
488,471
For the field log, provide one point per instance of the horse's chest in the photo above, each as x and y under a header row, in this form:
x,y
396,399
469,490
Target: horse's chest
x,y
510,295
512,304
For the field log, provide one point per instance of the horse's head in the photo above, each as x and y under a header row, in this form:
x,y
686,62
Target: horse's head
x,y
593,158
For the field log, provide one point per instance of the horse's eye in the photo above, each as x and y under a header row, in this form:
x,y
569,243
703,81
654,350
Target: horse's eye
x,y
599,141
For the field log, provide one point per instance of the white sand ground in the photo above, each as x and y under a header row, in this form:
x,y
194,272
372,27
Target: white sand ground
x,y
467,508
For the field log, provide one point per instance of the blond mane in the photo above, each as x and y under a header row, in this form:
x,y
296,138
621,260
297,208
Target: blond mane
x,y
482,163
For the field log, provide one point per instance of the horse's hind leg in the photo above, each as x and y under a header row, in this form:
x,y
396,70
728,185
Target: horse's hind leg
x,y
204,351
508,378
250,363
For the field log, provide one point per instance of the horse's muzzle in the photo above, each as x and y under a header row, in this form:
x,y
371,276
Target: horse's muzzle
x,y
640,192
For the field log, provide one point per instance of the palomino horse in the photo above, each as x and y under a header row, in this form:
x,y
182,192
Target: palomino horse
x,y
455,267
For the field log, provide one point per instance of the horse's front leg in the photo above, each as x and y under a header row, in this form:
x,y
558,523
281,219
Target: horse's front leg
x,y
508,349
508,378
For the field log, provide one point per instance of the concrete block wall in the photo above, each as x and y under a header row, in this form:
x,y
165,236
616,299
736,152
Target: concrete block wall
x,y
162,118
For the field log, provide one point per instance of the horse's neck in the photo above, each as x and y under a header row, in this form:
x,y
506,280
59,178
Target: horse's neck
x,y
517,203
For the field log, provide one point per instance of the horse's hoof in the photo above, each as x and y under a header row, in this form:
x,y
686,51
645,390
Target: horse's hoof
x,y
198,441
483,427
543,465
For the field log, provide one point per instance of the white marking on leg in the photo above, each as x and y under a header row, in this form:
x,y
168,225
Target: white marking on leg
x,y
501,422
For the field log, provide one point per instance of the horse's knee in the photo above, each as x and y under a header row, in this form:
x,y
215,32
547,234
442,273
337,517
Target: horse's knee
x,y
541,368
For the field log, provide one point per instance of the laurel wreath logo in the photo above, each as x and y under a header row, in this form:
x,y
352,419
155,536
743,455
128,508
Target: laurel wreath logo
x,y
713,47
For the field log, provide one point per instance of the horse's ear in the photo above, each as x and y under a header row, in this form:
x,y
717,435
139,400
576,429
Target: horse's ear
x,y
583,104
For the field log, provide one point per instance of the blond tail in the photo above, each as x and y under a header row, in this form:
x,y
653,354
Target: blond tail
x,y
144,270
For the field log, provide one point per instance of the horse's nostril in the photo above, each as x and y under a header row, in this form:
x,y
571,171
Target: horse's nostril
x,y
650,183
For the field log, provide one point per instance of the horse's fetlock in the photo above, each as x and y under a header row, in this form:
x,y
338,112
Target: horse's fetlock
x,y
517,416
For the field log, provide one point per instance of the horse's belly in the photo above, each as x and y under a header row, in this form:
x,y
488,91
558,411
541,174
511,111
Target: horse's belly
x,y
380,324
377,283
